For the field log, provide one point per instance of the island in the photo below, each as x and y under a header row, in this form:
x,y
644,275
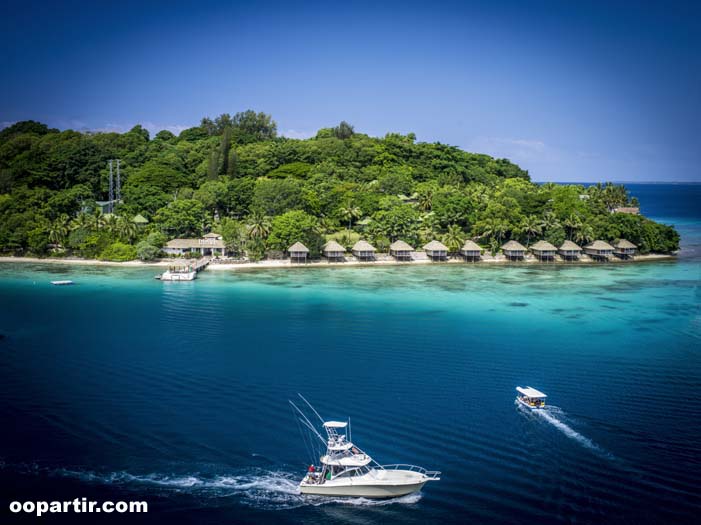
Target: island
x,y
234,191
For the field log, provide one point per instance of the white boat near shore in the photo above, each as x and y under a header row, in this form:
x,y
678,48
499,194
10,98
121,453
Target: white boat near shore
x,y
185,273
62,283
347,471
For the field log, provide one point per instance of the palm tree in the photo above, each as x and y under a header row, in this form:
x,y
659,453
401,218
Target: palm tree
x,y
258,226
58,230
425,199
350,212
572,223
110,223
494,228
82,222
531,226
429,225
97,220
454,238
584,235
550,220
126,229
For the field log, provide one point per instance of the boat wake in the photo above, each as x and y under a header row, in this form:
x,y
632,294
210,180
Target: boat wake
x,y
550,414
263,489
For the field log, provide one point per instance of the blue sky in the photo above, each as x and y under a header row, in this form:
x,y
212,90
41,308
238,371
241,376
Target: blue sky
x,y
572,91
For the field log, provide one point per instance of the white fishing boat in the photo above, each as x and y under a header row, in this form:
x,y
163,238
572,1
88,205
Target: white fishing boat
x,y
530,397
346,471
179,273
62,283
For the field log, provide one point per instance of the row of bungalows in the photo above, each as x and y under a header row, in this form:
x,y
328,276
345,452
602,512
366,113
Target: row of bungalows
x,y
471,251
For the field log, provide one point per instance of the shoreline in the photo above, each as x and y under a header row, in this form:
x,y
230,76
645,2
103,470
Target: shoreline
x,y
350,262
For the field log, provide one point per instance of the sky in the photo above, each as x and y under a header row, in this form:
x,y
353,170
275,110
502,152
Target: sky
x,y
571,91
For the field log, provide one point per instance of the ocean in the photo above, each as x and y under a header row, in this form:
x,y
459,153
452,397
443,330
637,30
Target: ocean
x,y
122,387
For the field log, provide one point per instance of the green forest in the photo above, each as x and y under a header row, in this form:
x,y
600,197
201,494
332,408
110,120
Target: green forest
x,y
235,176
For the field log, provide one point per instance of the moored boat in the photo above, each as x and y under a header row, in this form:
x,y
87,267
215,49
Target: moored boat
x,y
346,471
179,273
530,397
62,283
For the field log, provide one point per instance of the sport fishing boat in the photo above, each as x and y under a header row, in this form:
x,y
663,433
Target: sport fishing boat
x,y
347,471
530,397
179,273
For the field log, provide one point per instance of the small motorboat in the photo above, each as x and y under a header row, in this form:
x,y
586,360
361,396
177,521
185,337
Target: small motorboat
x,y
62,283
347,471
530,397
179,273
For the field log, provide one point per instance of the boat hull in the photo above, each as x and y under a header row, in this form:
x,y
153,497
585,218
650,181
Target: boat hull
x,y
377,491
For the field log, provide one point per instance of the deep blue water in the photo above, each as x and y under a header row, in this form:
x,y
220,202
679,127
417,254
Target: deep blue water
x,y
123,387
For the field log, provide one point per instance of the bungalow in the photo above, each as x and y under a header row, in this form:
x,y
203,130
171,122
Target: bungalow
x,y
400,250
544,251
570,251
210,244
333,251
471,251
599,250
514,250
632,210
364,251
298,252
436,251
624,249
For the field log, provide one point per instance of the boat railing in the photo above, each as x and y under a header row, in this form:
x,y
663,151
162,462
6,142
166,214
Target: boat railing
x,y
413,468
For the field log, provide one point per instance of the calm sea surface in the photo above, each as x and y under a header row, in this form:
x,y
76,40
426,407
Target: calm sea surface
x,y
125,388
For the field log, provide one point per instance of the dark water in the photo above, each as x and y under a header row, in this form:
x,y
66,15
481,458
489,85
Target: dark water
x,y
125,388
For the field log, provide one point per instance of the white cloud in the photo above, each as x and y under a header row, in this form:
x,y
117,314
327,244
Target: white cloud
x,y
298,134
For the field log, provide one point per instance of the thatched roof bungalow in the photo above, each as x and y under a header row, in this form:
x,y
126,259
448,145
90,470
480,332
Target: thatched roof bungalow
x,y
514,250
298,252
624,249
400,250
436,251
333,251
544,251
471,250
139,220
364,251
599,250
570,251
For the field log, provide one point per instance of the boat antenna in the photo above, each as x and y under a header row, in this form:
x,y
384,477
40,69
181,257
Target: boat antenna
x,y
305,421
310,406
350,434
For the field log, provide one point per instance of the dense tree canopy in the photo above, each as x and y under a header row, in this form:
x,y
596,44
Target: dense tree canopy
x,y
233,174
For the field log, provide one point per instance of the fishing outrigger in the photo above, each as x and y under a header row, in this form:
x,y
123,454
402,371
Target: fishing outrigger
x,y
345,470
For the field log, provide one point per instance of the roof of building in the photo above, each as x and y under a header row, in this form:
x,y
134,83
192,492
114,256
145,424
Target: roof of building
x,y
298,247
335,424
529,391
543,246
195,243
570,246
471,246
139,219
599,245
401,246
628,209
333,246
435,246
514,246
624,243
211,235
363,246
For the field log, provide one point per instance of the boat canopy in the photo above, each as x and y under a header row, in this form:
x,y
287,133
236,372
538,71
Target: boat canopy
x,y
531,392
353,460
335,424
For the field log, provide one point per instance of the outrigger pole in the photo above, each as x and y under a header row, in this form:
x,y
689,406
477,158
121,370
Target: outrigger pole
x,y
305,421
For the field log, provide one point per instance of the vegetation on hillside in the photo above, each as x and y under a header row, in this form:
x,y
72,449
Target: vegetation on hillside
x,y
262,192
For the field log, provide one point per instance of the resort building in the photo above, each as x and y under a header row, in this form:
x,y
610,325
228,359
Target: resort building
x,y
364,251
624,249
298,252
544,251
210,244
632,210
570,251
599,250
514,250
400,250
334,251
471,251
436,251
139,220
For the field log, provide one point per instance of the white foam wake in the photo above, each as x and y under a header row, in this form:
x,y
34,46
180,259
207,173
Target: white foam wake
x,y
549,415
272,490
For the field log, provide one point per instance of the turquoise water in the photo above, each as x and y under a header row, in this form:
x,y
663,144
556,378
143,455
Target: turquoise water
x,y
123,387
